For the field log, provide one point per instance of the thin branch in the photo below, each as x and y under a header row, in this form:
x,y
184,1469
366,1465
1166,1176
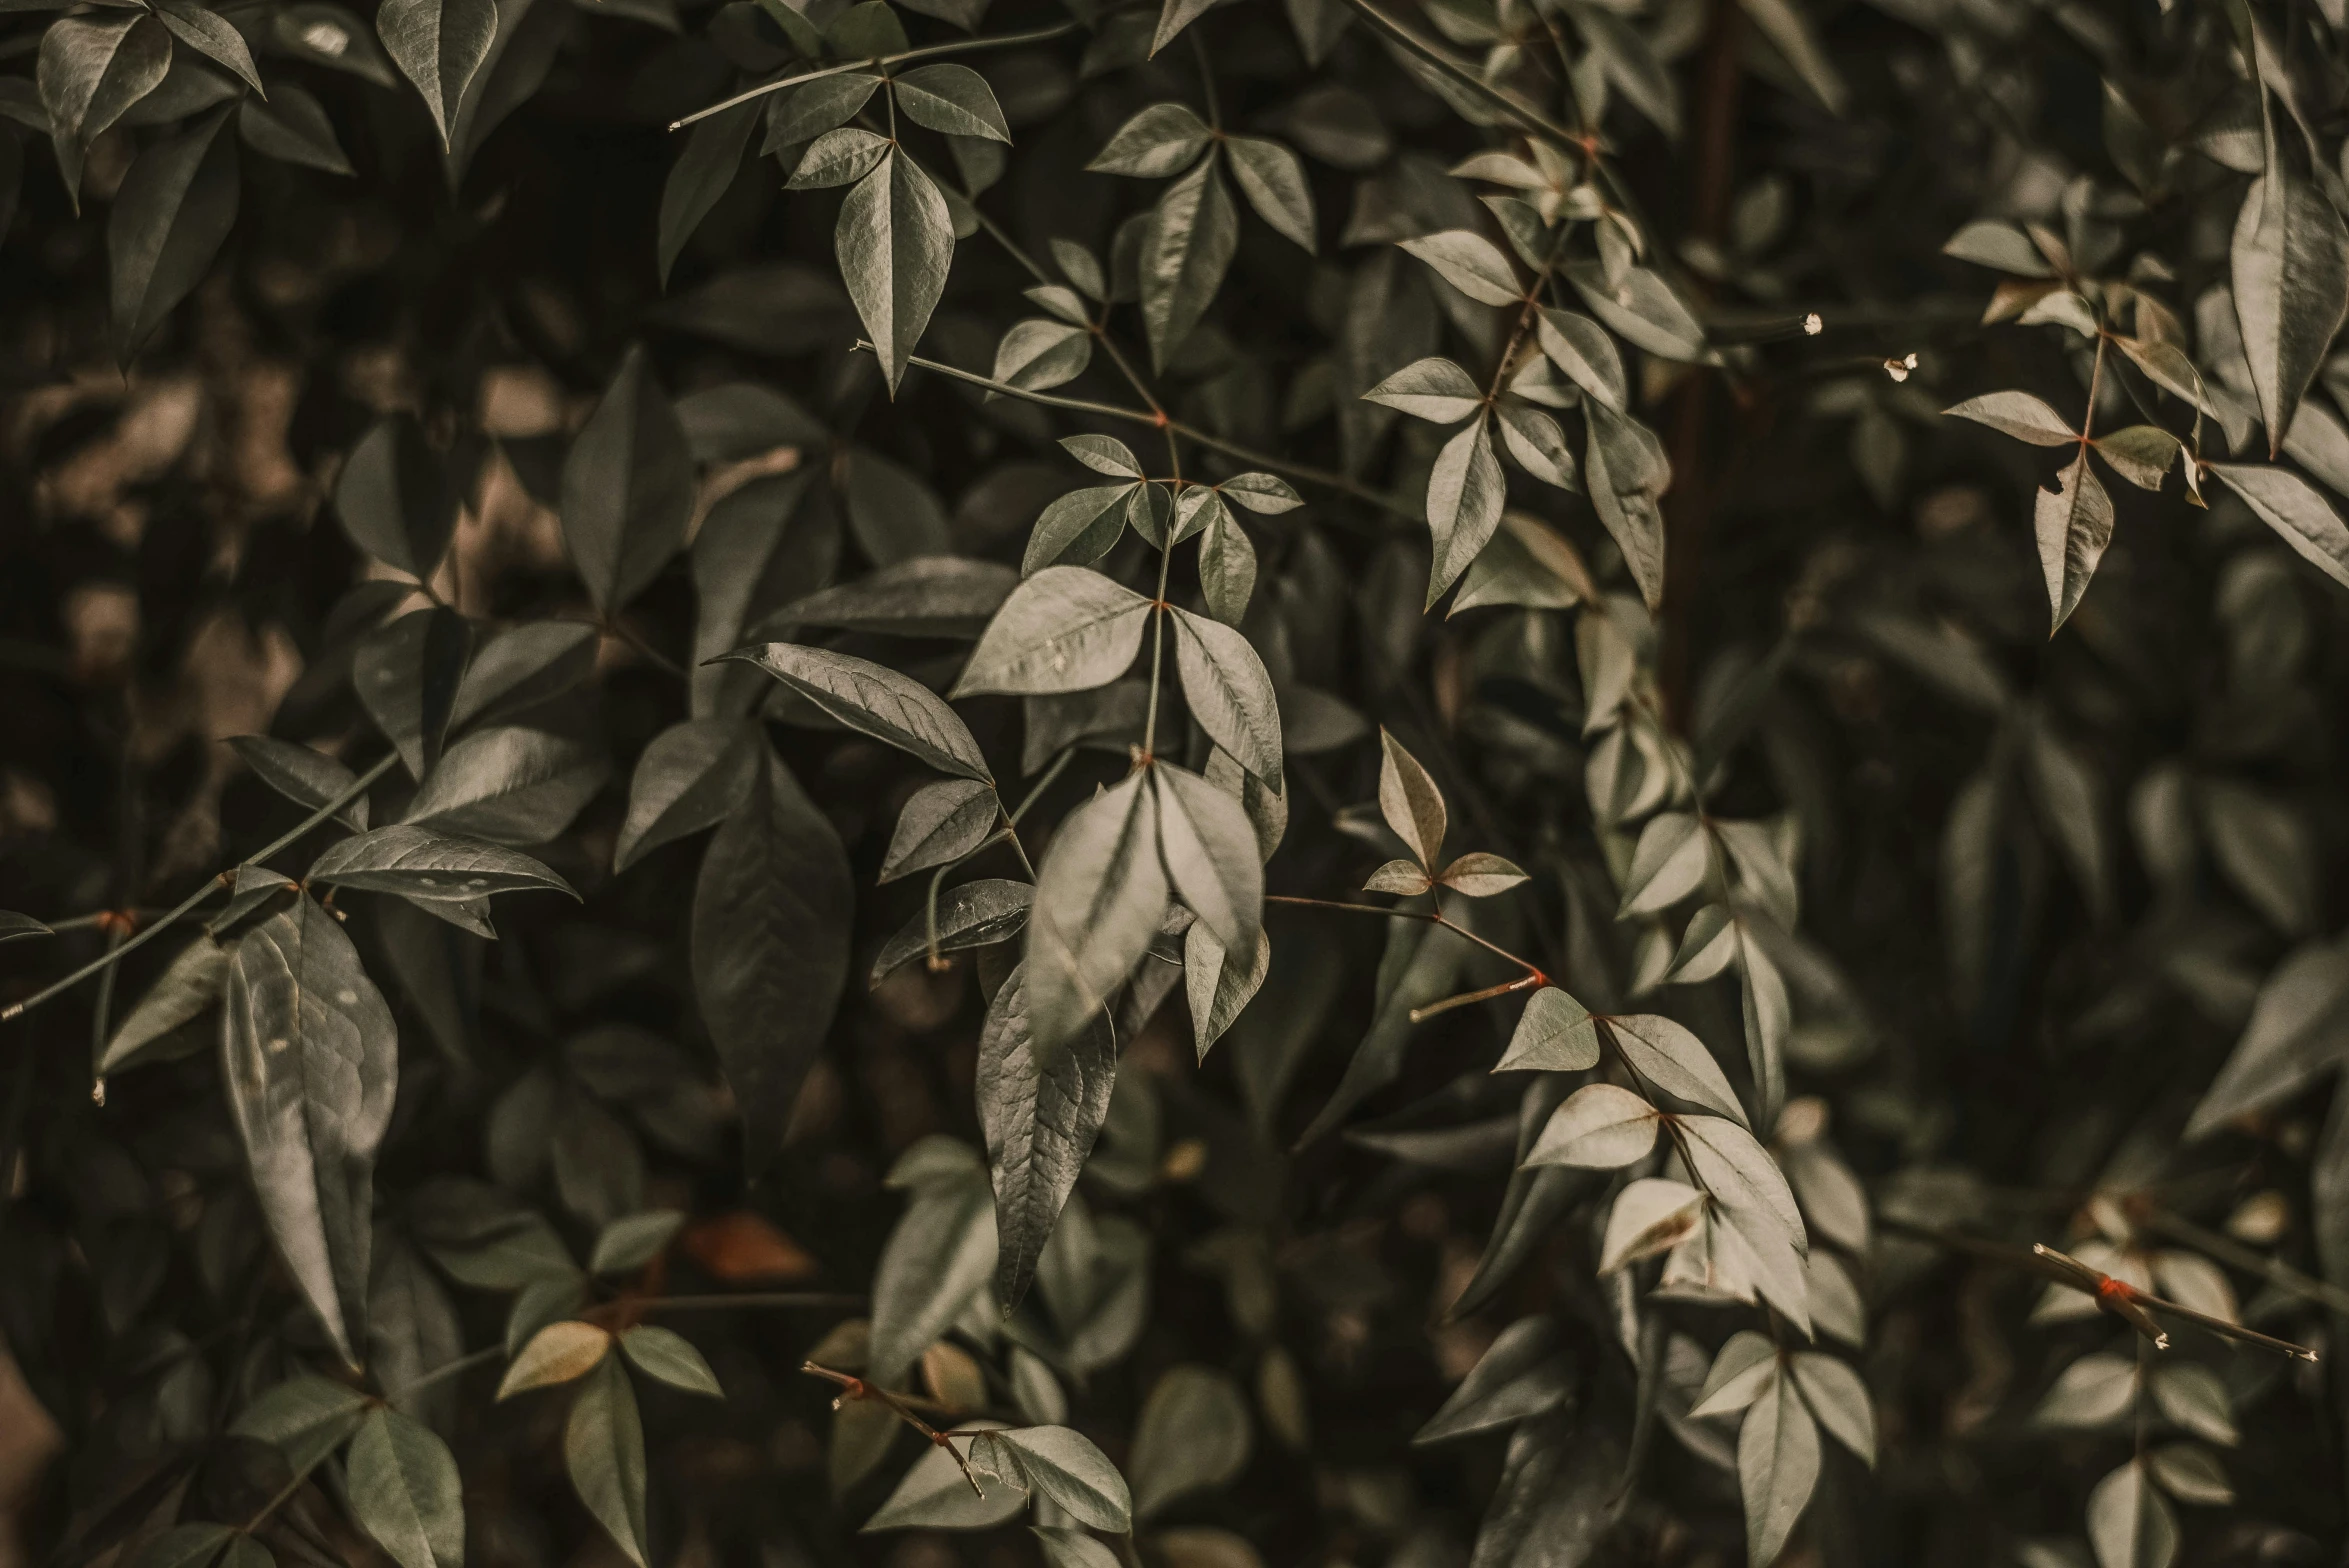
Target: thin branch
x,y
853,1387
359,786
1466,75
882,61
1135,416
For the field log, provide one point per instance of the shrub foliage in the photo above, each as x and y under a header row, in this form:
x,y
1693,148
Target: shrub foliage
x,y
1253,783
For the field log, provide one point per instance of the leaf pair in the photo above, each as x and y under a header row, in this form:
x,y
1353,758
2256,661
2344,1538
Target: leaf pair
x,y
1414,808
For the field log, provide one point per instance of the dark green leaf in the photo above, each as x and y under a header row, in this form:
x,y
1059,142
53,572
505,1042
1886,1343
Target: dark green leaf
x,y
439,45
603,1446
666,1355
1192,1435
310,1058
975,914
520,668
1522,1374
1041,1112
951,98
171,215
770,948
1187,246
420,863
941,824
91,70
1065,629
407,675
308,778
292,128
1465,492
1229,692
895,241
1159,141
395,499
699,178
2293,508
627,484
877,701
931,596
1273,180
1100,894
691,777
2290,260
2074,523
405,1491
509,785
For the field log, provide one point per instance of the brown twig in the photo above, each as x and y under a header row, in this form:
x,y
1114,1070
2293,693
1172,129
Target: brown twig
x,y
853,1387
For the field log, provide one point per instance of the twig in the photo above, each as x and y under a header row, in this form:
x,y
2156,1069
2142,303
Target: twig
x,y
1134,416
927,51
359,786
1467,76
853,1387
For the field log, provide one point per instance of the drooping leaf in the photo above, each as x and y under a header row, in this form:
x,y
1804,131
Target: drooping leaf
x,y
1470,263
627,483
1041,1112
2296,511
1675,1061
603,1447
692,776
770,947
1521,1375
1100,893
513,784
975,914
666,1355
1777,1469
1600,1127
953,99
1159,141
699,179
310,1059
1187,246
2074,523
421,863
1465,492
1273,180
173,211
91,70
2020,415
293,128
439,45
895,240
2290,264
1229,692
941,1253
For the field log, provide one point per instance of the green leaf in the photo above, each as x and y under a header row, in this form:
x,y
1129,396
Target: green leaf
x,y
2194,1398
633,1240
1209,850
692,776
1173,17
1078,528
1465,493
1063,1548
293,128
1792,34
210,34
1989,243
310,1059
1217,989
405,1491
1100,894
1192,1436
1673,859
895,240
603,1446
407,676
895,515
1227,568
1777,1468
184,1546
700,177
173,211
1536,444
627,486
666,1355
1273,180
1161,140
940,1255
1582,349
307,1417
1522,1374
806,112
1625,471
976,914
440,45
421,863
1671,1059
934,1496
2020,415
509,785
1839,1400
1747,1364
1229,692
91,70
1528,564
2074,523
1264,493
15,927
2290,263
395,499
930,596
1739,1173
1065,629
2141,454
770,948
186,990
1041,1112
1642,310
2295,510
2130,1524
866,30
1600,1127
941,823
520,668
1431,389
1187,245
1555,1034
559,1353
1064,1465
875,700
1470,263
838,157
951,98
1037,354
1410,802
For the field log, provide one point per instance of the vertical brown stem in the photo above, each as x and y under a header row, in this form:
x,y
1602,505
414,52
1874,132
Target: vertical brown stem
x,y
1689,504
